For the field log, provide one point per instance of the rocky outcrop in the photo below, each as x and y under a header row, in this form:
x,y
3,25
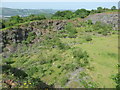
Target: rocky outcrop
x,y
108,18
19,33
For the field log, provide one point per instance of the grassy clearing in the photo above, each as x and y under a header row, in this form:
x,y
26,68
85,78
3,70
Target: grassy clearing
x,y
104,52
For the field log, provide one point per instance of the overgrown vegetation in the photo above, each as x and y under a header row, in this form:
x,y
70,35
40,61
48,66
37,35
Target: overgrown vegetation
x,y
67,14
48,63
17,19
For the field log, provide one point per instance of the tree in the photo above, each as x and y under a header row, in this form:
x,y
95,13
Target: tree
x,y
113,8
36,17
2,23
63,14
16,19
82,13
93,11
99,9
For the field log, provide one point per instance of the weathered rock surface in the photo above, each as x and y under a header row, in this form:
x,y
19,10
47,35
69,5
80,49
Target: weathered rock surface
x,y
108,18
18,34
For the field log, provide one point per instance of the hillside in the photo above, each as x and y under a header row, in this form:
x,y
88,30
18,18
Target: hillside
x,y
24,12
107,17
73,53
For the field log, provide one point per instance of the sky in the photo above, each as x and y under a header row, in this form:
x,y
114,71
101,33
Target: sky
x,y
60,0
59,4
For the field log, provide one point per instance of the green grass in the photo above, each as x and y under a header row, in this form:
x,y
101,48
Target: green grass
x,y
104,52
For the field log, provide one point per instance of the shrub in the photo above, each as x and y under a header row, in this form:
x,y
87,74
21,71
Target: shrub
x,y
82,13
70,67
70,28
105,33
32,70
88,38
102,28
63,15
81,57
31,36
89,22
116,78
63,80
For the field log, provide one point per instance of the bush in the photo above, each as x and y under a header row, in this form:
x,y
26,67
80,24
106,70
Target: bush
x,y
17,19
102,28
105,33
70,67
63,46
55,42
116,78
82,13
88,38
32,70
63,81
81,57
70,28
31,36
89,22
63,15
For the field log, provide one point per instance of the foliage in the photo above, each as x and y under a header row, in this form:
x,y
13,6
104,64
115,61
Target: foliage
x,y
99,9
70,28
51,59
102,28
17,19
67,14
116,78
113,8
82,13
89,22
63,81
88,38
83,76
35,17
81,56
63,14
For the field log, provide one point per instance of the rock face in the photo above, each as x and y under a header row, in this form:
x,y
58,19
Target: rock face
x,y
18,34
108,18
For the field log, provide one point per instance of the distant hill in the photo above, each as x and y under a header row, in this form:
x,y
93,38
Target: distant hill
x,y
24,12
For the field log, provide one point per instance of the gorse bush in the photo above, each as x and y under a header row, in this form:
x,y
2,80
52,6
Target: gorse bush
x,y
80,56
63,81
89,22
70,28
32,70
78,53
116,78
55,42
88,38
